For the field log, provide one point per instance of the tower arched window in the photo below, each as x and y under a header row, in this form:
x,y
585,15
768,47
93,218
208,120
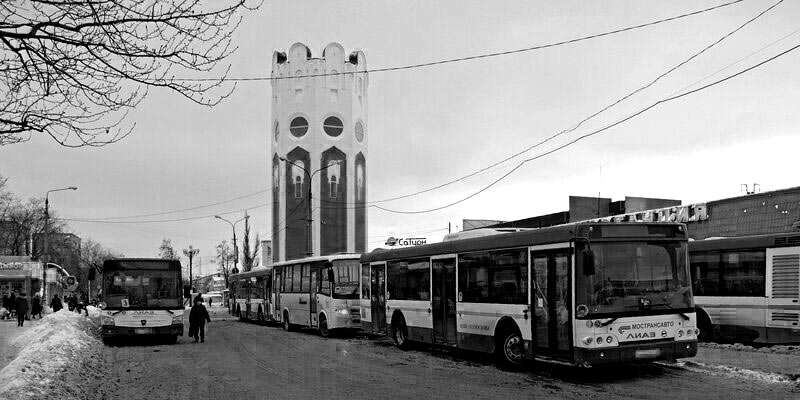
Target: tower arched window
x,y
298,188
333,187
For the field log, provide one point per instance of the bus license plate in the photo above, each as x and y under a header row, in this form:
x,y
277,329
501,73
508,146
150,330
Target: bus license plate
x,y
141,331
649,353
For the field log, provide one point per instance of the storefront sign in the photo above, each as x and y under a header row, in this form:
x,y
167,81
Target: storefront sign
x,y
392,241
21,269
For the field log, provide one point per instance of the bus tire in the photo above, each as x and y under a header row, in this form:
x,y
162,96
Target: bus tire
x,y
323,327
399,332
707,333
509,348
172,339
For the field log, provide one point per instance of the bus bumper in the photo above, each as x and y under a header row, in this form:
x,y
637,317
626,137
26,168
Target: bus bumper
x,y
116,331
635,353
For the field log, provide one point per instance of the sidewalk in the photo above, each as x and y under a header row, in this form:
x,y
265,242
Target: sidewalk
x,y
784,362
8,331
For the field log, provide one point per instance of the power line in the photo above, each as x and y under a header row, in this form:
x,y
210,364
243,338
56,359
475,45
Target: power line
x,y
175,210
162,220
469,58
595,132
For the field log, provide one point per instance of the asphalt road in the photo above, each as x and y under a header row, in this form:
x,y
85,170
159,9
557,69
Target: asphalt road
x,y
249,361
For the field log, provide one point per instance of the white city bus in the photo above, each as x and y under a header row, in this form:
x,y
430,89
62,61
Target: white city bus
x,y
583,294
253,291
141,296
318,292
747,289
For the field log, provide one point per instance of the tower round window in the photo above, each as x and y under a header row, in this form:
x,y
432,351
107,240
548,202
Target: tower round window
x,y
276,131
333,126
298,127
359,131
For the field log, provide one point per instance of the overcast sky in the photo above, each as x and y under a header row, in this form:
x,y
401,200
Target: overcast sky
x,y
430,125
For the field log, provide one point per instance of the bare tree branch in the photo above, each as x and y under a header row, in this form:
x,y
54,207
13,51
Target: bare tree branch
x,y
73,70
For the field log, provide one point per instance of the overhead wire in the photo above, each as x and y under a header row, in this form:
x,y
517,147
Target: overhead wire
x,y
592,133
473,57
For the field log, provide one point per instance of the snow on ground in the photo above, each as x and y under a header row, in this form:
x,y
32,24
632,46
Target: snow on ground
x,y
56,358
777,349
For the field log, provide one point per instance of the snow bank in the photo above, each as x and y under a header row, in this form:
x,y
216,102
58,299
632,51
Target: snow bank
x,y
56,355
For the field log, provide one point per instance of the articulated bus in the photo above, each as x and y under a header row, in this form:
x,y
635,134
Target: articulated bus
x,y
318,292
748,288
253,290
141,296
582,294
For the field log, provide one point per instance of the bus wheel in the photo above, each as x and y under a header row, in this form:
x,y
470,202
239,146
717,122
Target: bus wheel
x,y
286,325
510,349
172,339
323,327
400,333
705,326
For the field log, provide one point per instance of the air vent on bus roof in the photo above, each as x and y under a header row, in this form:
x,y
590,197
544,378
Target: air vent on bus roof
x,y
787,240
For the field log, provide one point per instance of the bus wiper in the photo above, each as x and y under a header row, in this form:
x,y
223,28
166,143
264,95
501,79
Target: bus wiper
x,y
609,322
683,315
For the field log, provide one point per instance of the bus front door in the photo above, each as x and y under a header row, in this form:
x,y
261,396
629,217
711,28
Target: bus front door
x,y
444,300
277,286
551,303
378,283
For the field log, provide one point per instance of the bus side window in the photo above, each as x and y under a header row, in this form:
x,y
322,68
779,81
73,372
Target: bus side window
x,y
325,283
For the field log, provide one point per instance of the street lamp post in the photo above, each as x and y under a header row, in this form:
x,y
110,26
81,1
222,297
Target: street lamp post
x,y
190,252
47,237
235,248
309,220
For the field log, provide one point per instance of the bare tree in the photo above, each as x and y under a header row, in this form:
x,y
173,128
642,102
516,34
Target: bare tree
x,y
93,255
73,69
166,251
19,220
224,259
248,256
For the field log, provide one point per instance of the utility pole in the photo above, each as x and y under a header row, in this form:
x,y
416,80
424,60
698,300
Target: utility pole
x,y
190,252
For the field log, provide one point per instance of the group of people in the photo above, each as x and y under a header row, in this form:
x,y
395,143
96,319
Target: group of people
x,y
16,304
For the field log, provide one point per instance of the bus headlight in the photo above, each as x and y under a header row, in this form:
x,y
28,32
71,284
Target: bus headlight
x,y
343,311
609,340
177,318
680,332
106,320
101,305
587,340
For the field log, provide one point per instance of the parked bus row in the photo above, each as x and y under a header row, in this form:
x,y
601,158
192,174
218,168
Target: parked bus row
x,y
582,294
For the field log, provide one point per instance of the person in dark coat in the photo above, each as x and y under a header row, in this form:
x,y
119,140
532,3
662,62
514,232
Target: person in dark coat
x,y
72,302
36,306
55,304
198,317
22,309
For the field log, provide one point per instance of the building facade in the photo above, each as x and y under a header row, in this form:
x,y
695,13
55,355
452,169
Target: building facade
x,y
319,135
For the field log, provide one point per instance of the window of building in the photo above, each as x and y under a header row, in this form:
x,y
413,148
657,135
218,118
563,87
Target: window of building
x,y
408,279
298,127
729,273
359,131
298,188
333,126
494,277
333,187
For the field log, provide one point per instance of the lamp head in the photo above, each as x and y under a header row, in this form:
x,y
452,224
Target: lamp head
x,y
73,188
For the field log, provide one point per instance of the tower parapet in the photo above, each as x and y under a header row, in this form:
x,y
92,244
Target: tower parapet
x,y
319,148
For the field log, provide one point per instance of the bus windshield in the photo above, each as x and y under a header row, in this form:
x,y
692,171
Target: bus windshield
x,y
141,289
635,278
346,278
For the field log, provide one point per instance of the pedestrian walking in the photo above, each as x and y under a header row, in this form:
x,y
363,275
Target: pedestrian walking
x,y
21,308
55,304
5,310
36,306
72,302
198,317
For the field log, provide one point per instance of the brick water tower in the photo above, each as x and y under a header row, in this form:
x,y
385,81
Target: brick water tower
x,y
319,149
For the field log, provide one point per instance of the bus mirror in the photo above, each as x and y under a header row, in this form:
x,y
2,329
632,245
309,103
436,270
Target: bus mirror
x,y
187,291
588,262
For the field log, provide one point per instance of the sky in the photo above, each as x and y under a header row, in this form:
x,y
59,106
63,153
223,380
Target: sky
x,y
430,125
